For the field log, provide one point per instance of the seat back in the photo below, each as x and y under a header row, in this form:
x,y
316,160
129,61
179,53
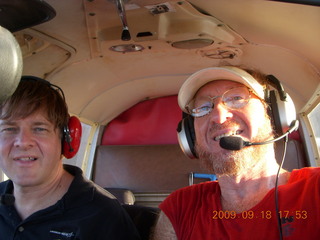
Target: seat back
x,y
295,156
144,218
151,172
124,196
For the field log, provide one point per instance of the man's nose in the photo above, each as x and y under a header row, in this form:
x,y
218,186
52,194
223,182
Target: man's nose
x,y
24,139
220,113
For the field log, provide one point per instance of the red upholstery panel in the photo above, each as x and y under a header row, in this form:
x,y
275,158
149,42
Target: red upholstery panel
x,y
149,122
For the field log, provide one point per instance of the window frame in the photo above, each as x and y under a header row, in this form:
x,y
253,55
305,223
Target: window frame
x,y
311,147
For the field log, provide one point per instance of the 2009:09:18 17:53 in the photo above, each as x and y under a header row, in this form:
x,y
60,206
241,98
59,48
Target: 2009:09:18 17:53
x,y
298,214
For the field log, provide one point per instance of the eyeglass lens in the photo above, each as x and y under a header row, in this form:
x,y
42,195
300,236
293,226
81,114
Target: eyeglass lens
x,y
234,98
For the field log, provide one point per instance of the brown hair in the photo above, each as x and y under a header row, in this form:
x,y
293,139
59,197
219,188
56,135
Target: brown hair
x,y
33,94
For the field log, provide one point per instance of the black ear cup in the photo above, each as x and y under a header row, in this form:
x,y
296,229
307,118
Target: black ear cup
x,y
186,136
275,112
71,137
282,107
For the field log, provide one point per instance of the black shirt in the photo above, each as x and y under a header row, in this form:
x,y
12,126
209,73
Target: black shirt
x,y
85,212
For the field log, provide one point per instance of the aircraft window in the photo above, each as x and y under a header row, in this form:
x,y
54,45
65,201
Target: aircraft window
x,y
3,177
314,118
89,138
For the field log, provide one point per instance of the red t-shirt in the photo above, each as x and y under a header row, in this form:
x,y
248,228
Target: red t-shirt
x,y
195,212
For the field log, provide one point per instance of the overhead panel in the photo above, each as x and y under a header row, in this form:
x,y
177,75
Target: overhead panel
x,y
172,25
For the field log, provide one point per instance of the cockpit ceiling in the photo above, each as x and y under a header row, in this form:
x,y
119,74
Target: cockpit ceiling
x,y
169,41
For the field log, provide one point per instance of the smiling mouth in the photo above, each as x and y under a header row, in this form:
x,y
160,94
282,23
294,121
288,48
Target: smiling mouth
x,y
238,132
25,159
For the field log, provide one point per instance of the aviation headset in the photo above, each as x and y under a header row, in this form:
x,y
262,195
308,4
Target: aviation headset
x,y
281,111
72,131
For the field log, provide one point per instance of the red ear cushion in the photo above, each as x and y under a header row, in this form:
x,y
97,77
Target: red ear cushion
x,y
75,129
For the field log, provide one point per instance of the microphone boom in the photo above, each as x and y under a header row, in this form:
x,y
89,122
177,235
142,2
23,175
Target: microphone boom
x,y
236,143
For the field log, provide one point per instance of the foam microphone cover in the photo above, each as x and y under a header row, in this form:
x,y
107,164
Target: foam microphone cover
x,y
125,36
231,143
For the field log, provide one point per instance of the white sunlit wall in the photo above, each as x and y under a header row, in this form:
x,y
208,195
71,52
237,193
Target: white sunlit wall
x,y
84,158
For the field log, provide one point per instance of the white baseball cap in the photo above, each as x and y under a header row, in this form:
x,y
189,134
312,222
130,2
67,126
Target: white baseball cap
x,y
190,87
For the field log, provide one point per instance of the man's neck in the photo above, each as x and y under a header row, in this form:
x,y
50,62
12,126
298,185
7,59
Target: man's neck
x,y
245,190
29,200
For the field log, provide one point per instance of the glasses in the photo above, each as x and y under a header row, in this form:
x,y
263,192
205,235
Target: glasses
x,y
234,98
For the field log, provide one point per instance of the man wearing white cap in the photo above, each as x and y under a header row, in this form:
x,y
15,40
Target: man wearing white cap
x,y
237,115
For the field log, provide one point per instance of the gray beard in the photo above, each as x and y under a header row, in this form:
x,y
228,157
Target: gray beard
x,y
230,163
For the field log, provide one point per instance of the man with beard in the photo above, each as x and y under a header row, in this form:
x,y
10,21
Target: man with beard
x,y
253,198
